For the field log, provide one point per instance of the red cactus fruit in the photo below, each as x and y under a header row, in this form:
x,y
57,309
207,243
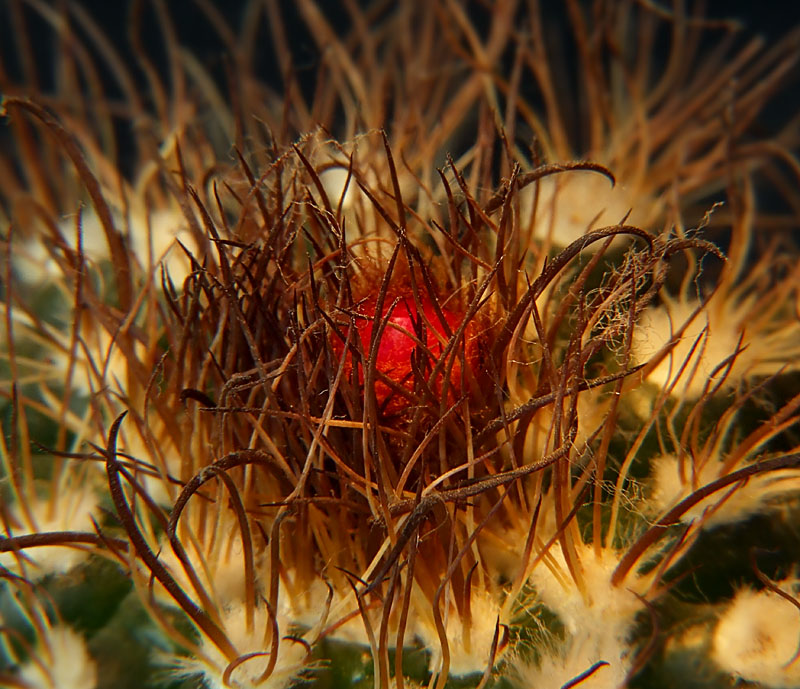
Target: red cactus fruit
x,y
400,342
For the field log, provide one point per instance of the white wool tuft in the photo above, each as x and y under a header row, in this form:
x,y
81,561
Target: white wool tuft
x,y
72,511
63,663
157,230
578,656
726,321
597,621
571,204
758,638
607,609
469,648
657,327
669,487
292,662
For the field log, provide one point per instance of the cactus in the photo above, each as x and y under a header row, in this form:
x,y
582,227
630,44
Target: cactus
x,y
459,360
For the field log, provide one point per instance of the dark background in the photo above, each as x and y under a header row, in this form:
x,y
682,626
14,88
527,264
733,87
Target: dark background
x,y
770,18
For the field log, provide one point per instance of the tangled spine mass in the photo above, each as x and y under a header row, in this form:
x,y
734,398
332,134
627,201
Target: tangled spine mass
x,y
298,391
